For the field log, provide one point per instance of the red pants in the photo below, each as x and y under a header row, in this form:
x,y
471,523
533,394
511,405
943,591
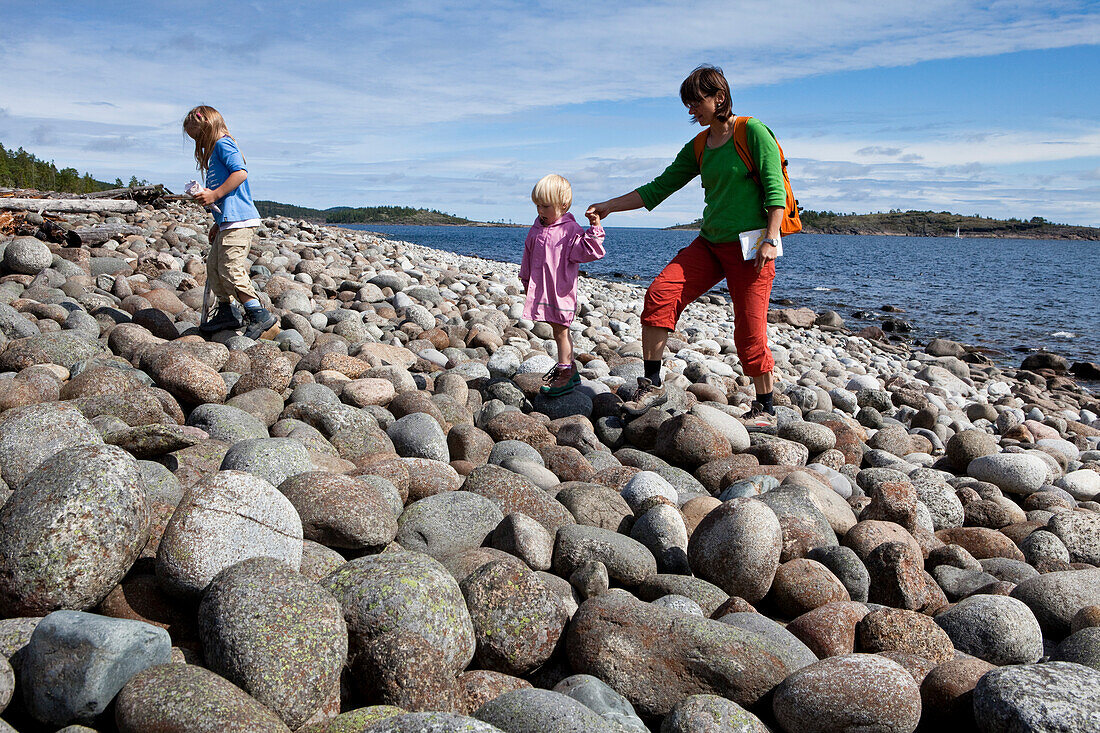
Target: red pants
x,y
699,267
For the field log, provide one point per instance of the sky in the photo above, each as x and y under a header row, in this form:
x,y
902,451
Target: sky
x,y
974,107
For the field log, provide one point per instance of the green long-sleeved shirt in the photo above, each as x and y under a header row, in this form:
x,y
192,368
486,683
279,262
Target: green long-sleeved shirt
x,y
734,203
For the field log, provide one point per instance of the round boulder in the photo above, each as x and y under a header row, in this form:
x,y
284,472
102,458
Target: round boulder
x,y
516,620
999,629
737,547
852,692
228,517
275,634
71,531
1056,696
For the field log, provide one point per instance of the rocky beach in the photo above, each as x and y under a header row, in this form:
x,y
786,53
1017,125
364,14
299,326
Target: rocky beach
x,y
369,520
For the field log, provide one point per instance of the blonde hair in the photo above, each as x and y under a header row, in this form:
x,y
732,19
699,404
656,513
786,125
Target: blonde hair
x,y
210,127
553,190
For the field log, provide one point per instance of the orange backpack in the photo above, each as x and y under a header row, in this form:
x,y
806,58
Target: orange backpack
x,y
791,223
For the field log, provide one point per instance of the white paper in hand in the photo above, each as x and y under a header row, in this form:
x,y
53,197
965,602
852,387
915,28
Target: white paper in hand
x,y
193,187
750,244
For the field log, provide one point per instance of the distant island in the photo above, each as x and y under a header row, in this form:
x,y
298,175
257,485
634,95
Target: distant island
x,y
933,224
399,215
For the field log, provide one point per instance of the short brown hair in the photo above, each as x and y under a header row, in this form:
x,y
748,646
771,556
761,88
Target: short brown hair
x,y
707,81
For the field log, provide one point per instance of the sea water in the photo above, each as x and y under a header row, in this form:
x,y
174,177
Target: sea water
x,y
1009,295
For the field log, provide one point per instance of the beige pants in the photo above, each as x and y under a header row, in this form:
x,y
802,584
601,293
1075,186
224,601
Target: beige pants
x,y
227,265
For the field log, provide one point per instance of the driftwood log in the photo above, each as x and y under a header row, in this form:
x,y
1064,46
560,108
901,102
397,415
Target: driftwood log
x,y
141,194
96,235
83,206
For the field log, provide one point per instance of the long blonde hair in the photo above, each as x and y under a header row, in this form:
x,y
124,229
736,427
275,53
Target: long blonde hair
x,y
211,127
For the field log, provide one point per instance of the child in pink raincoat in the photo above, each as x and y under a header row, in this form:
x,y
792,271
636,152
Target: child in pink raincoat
x,y
552,254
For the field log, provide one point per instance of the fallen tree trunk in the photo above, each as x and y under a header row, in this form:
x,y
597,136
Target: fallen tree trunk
x,y
82,206
92,236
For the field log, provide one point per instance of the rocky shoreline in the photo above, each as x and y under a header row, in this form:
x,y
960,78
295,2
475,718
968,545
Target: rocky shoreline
x,y
370,520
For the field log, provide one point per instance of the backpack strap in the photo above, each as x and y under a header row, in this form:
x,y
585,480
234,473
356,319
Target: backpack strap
x,y
741,142
700,144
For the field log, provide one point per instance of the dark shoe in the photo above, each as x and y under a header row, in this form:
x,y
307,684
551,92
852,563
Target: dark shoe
x,y
646,396
759,416
225,318
560,381
257,321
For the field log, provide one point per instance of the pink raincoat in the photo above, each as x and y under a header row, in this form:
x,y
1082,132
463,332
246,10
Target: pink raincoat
x,y
551,259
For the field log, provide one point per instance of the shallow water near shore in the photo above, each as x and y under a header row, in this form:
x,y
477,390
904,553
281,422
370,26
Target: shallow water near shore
x,y
999,293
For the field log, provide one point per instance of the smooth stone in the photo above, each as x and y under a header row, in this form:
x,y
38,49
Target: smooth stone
x,y
76,663
737,547
225,518
57,549
1055,597
1060,697
276,634
710,714
272,459
628,644
596,695
851,692
448,522
1016,473
531,710
409,630
183,697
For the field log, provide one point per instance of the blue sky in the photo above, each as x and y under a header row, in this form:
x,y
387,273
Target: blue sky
x,y
973,107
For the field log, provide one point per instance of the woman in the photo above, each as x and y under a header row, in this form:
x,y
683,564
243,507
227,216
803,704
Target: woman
x,y
735,203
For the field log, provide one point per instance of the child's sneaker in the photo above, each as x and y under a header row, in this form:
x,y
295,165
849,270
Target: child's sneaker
x,y
225,318
560,380
759,416
257,321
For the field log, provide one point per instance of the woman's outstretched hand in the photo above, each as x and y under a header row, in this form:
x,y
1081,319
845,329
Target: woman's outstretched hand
x,y
600,211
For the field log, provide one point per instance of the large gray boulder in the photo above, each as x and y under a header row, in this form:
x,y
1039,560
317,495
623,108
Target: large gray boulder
x,y
1054,598
446,523
77,662
532,710
418,435
737,547
628,561
183,697
272,459
409,630
656,657
1056,697
226,422
30,435
71,531
598,696
711,714
277,635
999,629
228,517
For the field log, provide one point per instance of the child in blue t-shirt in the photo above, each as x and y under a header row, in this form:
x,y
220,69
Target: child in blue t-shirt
x,y
235,221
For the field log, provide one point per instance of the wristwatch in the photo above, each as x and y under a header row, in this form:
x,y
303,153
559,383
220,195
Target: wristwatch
x,y
772,242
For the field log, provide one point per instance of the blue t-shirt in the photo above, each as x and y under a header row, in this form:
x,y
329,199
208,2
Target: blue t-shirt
x,y
237,205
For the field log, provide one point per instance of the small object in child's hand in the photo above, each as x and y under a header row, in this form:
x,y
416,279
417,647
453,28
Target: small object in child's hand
x,y
193,187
